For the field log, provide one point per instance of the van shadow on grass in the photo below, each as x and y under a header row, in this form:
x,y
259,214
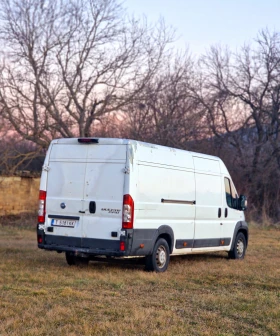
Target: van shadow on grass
x,y
139,263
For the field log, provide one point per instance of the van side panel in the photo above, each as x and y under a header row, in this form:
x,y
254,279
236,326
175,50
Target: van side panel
x,y
165,192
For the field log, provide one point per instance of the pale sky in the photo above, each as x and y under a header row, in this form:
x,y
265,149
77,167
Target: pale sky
x,y
201,23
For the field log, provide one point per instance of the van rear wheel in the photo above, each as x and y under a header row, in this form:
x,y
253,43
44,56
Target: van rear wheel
x,y
75,260
239,247
70,258
158,261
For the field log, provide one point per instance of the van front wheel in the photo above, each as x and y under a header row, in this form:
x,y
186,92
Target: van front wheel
x,y
239,247
158,261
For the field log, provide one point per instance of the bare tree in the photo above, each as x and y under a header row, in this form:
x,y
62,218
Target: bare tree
x,y
65,64
240,96
166,113
18,156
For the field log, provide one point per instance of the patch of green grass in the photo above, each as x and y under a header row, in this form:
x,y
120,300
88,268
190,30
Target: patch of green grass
x,y
198,295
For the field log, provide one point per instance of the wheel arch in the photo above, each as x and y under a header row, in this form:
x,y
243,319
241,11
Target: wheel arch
x,y
166,233
245,232
240,226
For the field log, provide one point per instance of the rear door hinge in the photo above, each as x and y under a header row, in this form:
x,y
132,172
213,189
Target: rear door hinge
x,y
46,168
126,170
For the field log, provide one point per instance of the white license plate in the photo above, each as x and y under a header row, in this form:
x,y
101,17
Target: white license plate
x,y
63,222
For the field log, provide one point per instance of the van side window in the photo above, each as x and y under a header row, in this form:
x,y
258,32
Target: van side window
x,y
230,197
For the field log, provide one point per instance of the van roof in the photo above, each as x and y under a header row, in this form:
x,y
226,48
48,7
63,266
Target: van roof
x,y
117,141
103,141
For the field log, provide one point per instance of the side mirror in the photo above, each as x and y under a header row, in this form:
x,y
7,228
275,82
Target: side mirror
x,y
242,202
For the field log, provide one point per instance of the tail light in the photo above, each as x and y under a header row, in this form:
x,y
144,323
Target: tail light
x,y
122,246
128,212
40,239
42,206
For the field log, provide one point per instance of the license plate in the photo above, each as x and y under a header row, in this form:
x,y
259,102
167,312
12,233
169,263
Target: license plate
x,y
63,222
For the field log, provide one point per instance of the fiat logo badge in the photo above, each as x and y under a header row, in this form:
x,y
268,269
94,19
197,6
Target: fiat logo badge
x,y
63,205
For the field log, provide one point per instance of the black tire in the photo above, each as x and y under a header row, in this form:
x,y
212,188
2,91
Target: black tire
x,y
70,258
74,260
158,261
239,247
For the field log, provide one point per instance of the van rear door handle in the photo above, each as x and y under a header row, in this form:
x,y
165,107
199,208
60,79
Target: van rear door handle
x,y
226,212
92,207
219,212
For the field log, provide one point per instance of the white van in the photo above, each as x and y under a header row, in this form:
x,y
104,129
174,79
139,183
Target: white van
x,y
119,198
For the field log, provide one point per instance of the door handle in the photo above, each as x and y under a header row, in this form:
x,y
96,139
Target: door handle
x,y
219,213
226,212
92,207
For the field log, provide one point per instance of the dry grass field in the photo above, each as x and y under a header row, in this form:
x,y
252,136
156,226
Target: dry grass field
x,y
198,295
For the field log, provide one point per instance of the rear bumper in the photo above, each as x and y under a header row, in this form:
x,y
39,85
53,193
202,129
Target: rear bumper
x,y
138,242
79,250
106,247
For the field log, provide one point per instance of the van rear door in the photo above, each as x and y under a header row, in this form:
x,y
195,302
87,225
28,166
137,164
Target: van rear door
x,y
85,194
65,193
103,196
